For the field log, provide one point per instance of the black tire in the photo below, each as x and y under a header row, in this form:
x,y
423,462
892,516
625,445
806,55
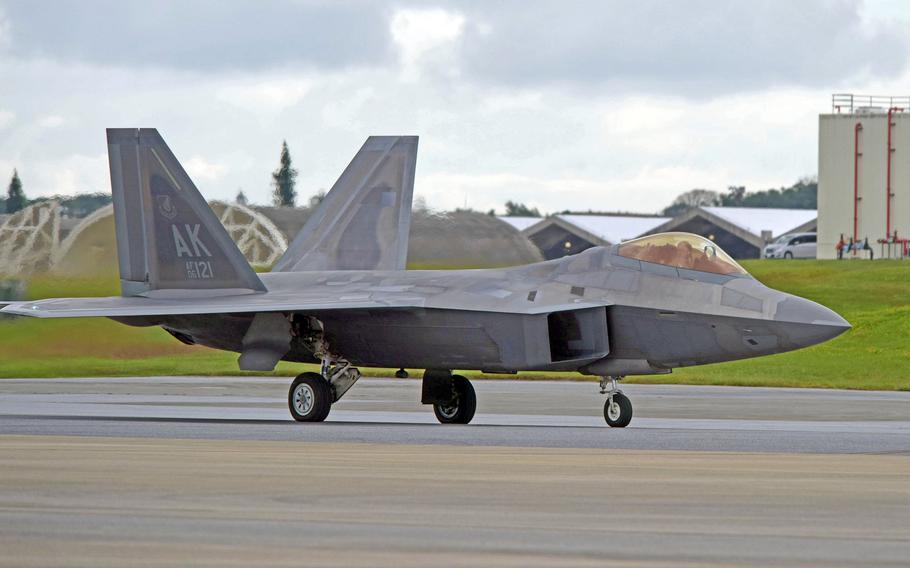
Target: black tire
x,y
788,255
461,410
310,398
624,406
401,374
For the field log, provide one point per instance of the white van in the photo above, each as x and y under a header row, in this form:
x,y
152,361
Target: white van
x,y
795,245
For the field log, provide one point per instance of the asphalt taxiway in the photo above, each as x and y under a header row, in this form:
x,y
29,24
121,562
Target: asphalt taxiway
x,y
509,413
211,471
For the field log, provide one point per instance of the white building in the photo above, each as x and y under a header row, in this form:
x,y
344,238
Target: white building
x,y
864,174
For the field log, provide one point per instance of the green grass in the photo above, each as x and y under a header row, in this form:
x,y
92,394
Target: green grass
x,y
875,354
874,297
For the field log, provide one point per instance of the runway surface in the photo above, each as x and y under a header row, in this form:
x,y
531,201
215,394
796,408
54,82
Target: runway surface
x,y
510,413
211,471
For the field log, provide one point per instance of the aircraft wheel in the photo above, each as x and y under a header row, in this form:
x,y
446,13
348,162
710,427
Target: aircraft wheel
x,y
618,410
401,374
310,398
461,409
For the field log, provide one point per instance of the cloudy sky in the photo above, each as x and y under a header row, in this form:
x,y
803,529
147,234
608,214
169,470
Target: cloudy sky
x,y
604,105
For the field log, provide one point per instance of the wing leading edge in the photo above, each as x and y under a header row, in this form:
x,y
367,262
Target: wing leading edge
x,y
118,306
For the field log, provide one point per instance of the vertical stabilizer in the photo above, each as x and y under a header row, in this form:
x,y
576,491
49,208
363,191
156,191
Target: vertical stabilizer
x,y
364,221
168,238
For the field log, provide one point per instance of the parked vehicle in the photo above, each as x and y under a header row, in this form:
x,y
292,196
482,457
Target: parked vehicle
x,y
795,245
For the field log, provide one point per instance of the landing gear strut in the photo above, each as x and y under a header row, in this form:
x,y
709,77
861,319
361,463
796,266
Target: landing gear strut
x,y
618,407
311,395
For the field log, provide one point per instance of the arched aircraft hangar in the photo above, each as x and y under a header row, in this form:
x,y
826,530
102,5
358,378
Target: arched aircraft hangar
x,y
742,231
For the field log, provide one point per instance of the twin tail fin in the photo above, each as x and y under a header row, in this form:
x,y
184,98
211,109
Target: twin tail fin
x,y
364,221
168,238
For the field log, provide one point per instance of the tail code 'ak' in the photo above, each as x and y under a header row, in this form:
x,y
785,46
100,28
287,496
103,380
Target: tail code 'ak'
x,y
168,238
364,221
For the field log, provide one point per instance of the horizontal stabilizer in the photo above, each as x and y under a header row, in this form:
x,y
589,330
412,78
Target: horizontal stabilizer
x,y
364,221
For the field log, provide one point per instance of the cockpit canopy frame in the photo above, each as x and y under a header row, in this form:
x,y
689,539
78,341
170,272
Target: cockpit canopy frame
x,y
681,250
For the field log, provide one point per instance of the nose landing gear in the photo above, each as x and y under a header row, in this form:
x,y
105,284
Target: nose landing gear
x,y
618,407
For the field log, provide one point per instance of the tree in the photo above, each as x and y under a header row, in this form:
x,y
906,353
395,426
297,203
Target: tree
x,y
692,198
82,204
514,209
283,179
241,198
75,206
734,197
15,197
801,195
317,198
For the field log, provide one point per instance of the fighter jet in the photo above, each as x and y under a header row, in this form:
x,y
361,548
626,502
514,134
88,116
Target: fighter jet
x,y
341,297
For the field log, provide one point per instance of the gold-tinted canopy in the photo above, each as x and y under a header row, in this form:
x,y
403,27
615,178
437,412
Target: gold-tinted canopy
x,y
681,250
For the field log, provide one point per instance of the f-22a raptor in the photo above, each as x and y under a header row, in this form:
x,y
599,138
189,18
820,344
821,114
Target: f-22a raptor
x,y
341,297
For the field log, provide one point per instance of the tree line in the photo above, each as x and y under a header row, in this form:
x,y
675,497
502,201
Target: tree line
x,y
801,195
284,193
78,205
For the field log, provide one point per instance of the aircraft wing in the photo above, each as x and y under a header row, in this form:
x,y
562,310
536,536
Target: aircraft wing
x,y
313,300
119,306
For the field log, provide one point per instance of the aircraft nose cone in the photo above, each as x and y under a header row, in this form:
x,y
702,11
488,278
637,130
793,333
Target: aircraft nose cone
x,y
816,322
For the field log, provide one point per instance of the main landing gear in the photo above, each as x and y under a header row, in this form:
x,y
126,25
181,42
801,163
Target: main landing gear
x,y
311,395
310,398
459,410
452,396
618,407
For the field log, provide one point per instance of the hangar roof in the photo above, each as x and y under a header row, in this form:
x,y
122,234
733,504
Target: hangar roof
x,y
614,228
758,219
743,223
520,223
552,233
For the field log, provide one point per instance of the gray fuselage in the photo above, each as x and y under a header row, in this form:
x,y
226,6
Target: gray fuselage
x,y
596,312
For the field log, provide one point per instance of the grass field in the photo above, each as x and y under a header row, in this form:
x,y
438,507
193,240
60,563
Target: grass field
x,y
875,354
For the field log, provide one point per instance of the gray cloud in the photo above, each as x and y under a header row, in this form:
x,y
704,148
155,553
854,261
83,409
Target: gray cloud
x,y
558,104
697,46
200,35
682,46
